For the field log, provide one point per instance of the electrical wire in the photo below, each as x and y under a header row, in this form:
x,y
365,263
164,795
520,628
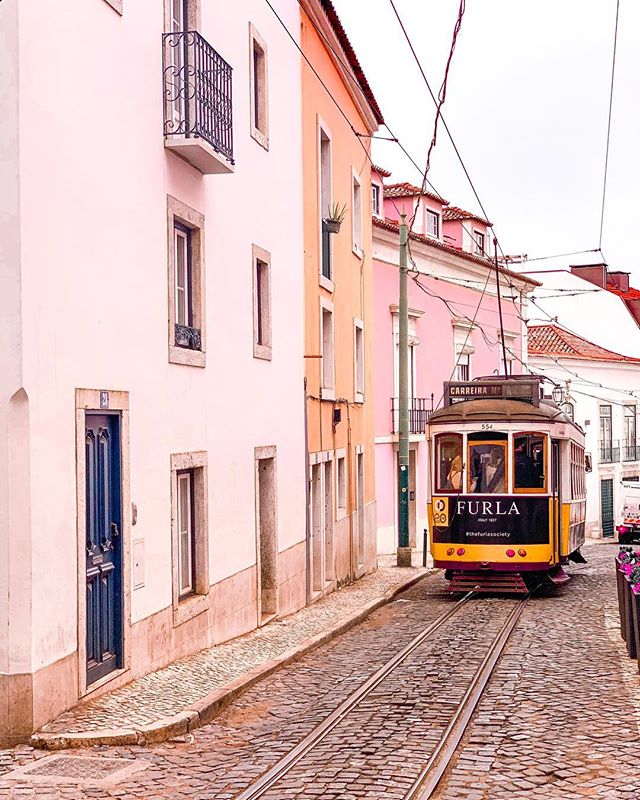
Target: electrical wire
x,y
606,156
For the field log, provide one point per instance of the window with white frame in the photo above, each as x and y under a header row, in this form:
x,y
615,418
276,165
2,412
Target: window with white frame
x,y
478,243
356,208
258,88
463,349
186,532
326,332
376,197
183,287
433,223
325,197
261,303
341,484
358,332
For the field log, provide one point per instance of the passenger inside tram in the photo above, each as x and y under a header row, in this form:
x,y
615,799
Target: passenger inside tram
x,y
487,469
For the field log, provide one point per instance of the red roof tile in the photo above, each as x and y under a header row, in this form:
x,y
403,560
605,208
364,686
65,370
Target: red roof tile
x,y
550,340
392,225
381,171
340,32
455,213
406,189
630,294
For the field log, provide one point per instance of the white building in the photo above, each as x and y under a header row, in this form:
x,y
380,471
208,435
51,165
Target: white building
x,y
152,493
603,386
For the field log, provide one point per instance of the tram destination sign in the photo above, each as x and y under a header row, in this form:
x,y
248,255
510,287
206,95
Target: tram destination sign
x,y
457,391
490,519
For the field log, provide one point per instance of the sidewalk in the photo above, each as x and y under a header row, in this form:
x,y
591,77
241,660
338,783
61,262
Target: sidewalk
x,y
190,692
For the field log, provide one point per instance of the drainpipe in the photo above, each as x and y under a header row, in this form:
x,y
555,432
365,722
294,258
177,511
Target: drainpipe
x,y
308,497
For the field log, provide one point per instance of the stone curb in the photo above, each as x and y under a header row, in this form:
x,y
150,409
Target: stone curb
x,y
203,711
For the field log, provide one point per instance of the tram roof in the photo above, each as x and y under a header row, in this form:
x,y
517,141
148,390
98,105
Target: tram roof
x,y
501,410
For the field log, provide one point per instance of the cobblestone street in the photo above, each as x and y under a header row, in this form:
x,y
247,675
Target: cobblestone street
x,y
560,717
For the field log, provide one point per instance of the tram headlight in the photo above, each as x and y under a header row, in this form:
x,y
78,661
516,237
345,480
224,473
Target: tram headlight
x,y
451,551
522,552
461,551
511,553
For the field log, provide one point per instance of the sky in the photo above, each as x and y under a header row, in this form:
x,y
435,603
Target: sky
x,y
527,104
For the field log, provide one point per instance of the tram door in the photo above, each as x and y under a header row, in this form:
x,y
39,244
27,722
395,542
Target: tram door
x,y
556,492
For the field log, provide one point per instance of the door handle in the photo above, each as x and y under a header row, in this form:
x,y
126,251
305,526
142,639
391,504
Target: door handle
x,y
114,530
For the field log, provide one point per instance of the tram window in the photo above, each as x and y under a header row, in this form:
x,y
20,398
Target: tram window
x,y
487,462
529,462
449,462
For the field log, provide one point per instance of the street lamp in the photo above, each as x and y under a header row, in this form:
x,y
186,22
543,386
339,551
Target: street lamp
x,y
557,394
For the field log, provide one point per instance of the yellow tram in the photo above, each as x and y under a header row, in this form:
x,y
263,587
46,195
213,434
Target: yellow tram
x,y
507,485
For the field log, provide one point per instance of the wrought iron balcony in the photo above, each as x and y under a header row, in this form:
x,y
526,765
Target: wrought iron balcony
x,y
198,123
609,452
630,451
420,409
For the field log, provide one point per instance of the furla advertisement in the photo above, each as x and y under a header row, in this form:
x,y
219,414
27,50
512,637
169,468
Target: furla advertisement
x,y
490,520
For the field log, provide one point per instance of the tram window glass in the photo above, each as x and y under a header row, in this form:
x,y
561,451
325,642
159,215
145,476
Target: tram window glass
x,y
449,462
529,462
577,466
487,467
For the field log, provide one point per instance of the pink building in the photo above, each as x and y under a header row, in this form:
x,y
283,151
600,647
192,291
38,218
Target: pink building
x,y
448,340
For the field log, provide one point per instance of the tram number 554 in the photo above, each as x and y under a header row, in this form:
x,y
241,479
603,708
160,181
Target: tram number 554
x,y
441,512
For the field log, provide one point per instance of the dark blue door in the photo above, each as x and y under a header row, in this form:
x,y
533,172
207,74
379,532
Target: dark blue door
x,y
103,545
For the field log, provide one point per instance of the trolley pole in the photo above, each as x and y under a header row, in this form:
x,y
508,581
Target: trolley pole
x,y
404,551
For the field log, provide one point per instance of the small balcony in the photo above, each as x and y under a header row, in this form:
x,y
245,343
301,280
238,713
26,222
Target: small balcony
x,y
198,124
630,451
420,409
609,452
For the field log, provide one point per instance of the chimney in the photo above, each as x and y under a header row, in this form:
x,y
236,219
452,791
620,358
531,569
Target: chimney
x,y
593,273
618,280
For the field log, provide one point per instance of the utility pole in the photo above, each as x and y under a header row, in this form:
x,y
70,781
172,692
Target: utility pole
x,y
404,551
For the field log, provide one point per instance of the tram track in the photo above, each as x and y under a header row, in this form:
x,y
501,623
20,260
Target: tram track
x,y
429,776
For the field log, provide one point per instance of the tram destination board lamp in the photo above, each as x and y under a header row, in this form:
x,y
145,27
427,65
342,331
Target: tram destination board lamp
x,y
404,550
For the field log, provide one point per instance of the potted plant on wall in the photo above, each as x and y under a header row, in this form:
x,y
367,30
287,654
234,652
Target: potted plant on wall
x,y
334,220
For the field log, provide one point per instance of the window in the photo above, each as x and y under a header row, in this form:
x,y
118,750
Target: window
x,y
463,369
258,88
433,223
326,334
183,309
478,243
356,210
324,181
341,487
358,331
449,462
375,199
606,434
189,530
186,284
577,467
186,533
487,467
261,303
529,462
630,425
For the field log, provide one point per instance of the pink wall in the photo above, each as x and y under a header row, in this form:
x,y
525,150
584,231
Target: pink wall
x,y
435,356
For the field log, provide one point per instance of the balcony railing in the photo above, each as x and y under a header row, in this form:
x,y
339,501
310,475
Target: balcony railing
x,y
420,409
630,451
197,101
609,452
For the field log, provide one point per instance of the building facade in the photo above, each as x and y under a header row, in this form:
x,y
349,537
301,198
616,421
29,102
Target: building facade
x,y
337,102
602,386
454,331
152,457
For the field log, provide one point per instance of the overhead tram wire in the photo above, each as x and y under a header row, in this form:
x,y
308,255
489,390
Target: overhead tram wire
x,y
606,156
412,160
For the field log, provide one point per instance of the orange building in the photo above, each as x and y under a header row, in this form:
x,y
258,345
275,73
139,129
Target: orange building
x,y
337,104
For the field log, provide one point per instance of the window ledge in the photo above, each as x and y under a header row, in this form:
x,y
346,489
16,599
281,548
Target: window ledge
x,y
190,358
192,606
327,394
327,284
261,138
358,397
358,251
262,351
